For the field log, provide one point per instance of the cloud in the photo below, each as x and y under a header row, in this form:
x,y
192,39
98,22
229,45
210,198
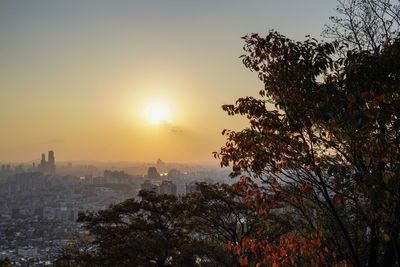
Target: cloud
x,y
55,141
175,129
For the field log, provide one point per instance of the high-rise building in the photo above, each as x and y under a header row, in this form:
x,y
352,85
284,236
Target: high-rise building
x,y
174,174
168,187
152,173
51,163
149,186
160,165
42,165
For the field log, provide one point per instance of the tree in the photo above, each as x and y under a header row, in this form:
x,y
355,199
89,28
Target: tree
x,y
365,24
163,230
5,262
132,233
324,141
218,217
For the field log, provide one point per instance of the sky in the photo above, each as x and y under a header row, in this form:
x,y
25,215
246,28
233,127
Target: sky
x,y
132,80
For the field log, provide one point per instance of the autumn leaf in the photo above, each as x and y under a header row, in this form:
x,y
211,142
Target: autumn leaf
x,y
229,245
338,199
238,250
243,261
331,137
385,160
386,237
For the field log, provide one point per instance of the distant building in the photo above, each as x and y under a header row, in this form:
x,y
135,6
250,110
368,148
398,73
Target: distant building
x,y
117,177
62,213
161,165
28,252
15,213
19,168
168,187
42,164
39,212
152,173
50,165
48,213
149,186
175,174
6,168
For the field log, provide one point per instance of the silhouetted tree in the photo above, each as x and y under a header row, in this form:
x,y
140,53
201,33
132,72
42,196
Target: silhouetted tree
x,y
365,24
132,233
163,230
216,214
324,140
221,216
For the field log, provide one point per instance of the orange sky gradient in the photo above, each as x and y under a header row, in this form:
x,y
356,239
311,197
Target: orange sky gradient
x,y
78,77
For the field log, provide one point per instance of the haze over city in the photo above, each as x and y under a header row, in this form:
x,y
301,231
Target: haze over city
x,y
171,133
130,80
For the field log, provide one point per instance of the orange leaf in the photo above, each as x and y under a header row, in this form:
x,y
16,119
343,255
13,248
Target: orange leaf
x,y
243,261
338,199
238,250
350,106
282,251
385,160
229,245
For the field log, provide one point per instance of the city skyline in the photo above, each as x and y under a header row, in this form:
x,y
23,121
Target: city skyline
x,y
131,81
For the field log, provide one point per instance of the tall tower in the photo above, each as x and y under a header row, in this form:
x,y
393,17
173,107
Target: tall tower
x,y
51,163
42,165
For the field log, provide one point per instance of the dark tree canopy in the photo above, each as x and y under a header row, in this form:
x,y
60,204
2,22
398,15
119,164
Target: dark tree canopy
x,y
324,140
5,262
132,233
163,230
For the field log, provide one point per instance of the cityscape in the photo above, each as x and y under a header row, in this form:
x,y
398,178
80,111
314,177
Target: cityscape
x,y
40,203
187,133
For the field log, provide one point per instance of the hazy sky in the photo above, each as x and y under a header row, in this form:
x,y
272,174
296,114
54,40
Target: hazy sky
x,y
79,76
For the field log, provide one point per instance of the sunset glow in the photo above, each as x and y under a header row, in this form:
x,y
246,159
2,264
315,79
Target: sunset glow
x,y
131,80
158,113
199,133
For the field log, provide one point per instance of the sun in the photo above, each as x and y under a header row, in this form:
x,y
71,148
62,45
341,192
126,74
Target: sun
x,y
157,113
